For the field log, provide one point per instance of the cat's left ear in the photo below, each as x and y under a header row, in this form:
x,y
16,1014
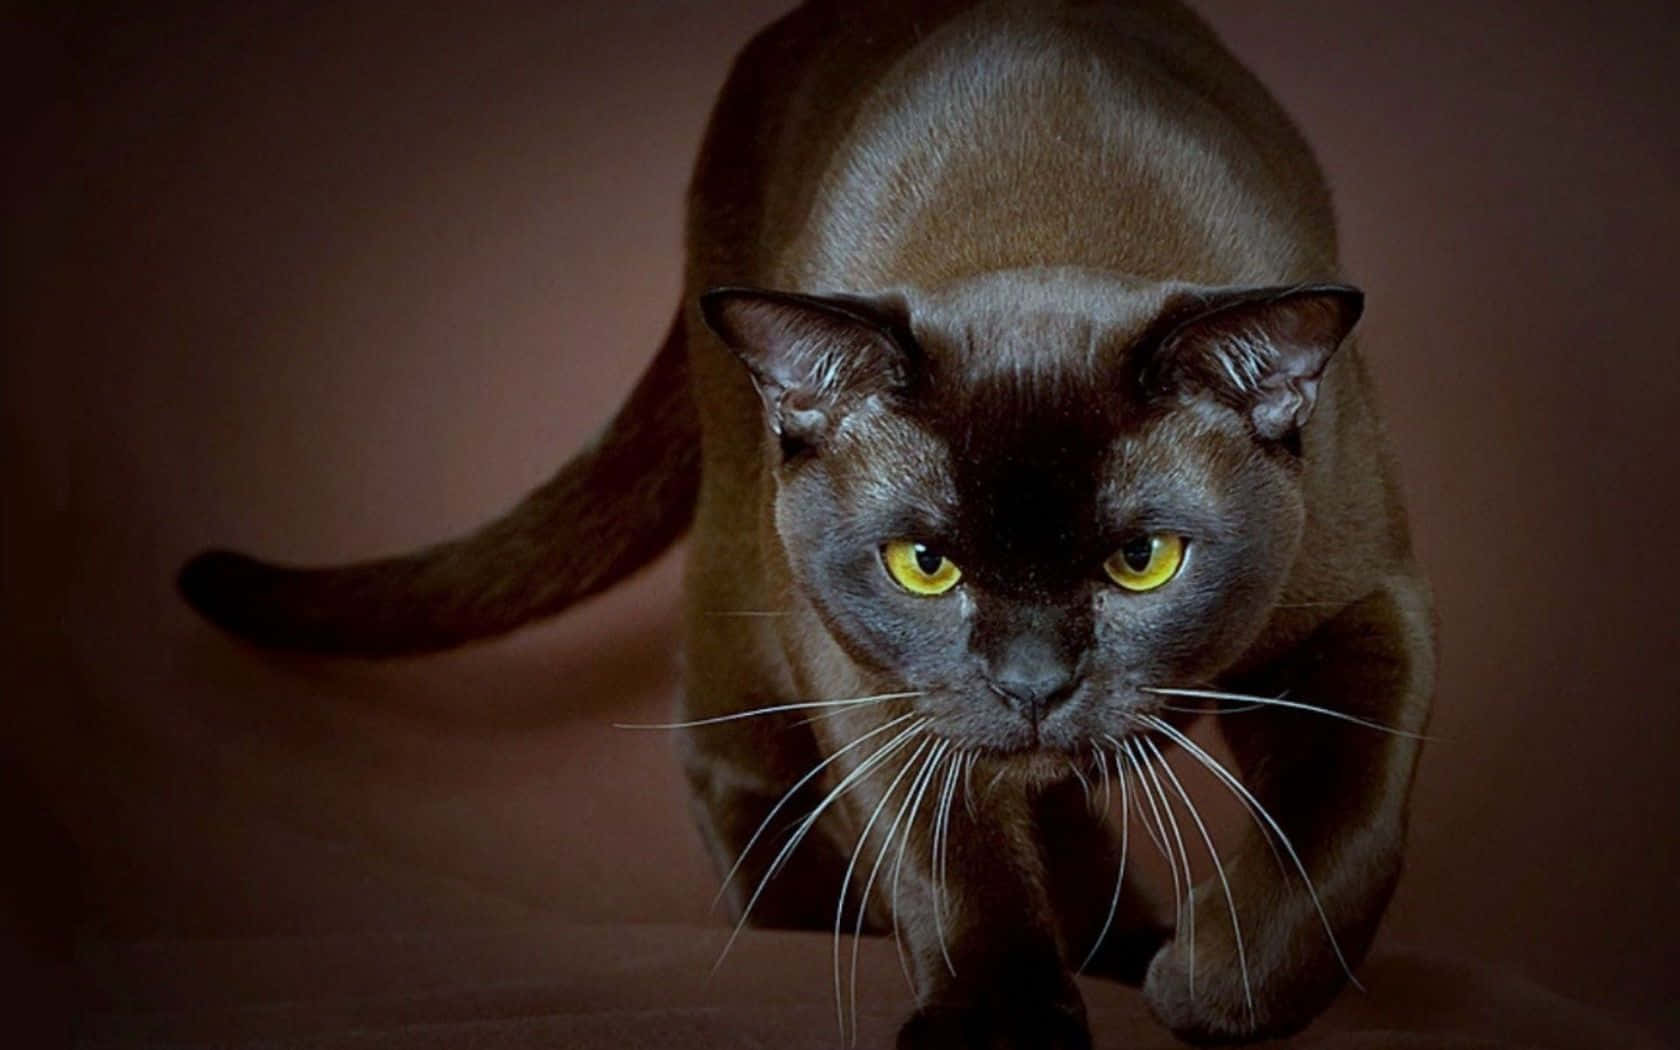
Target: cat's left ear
x,y
813,360
1262,351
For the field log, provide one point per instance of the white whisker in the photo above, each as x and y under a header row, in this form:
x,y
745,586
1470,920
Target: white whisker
x,y
971,757
1120,877
1157,836
939,858
1184,856
1218,867
1237,787
918,788
1247,806
875,869
1162,842
811,720
1085,785
1102,767
787,796
1205,710
1278,701
804,705
846,882
863,769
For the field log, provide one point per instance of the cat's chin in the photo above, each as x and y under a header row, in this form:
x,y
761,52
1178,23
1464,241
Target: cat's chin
x,y
1038,765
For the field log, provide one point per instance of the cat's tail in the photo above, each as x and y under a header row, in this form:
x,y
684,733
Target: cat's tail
x,y
613,508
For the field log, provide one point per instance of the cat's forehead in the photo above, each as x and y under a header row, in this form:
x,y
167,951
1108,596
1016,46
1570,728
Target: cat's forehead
x,y
1023,421
1024,373
1044,328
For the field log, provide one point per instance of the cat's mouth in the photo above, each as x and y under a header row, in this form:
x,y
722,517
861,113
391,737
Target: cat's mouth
x,y
1042,755
1085,723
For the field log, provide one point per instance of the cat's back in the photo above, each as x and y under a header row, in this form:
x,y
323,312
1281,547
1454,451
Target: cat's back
x,y
862,146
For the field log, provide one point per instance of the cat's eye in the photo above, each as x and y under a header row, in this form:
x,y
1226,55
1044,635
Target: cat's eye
x,y
1146,562
919,568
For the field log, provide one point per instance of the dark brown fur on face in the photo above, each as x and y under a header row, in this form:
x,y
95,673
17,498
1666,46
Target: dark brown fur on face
x,y
1072,259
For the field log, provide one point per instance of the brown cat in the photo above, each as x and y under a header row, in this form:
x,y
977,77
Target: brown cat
x,y
1046,433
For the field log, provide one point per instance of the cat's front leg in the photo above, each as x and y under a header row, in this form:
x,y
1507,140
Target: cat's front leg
x,y
976,917
1338,791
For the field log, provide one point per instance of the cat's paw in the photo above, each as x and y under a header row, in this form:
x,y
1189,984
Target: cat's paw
x,y
1214,1011
1219,1008
999,1026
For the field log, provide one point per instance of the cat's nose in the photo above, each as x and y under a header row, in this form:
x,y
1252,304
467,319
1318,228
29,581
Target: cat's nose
x,y
1032,678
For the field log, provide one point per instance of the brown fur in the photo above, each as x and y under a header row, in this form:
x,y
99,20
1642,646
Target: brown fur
x,y
1113,138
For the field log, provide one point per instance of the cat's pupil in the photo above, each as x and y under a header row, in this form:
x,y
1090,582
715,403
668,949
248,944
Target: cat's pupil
x,y
1138,553
927,560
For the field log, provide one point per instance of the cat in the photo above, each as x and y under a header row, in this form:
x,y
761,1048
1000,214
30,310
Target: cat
x,y
1012,413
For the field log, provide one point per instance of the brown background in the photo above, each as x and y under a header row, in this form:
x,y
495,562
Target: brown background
x,y
330,282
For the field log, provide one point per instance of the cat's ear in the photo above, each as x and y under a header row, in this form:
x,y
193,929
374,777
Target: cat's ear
x,y
1263,351
813,360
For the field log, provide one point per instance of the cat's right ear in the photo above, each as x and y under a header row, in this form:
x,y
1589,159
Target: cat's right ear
x,y
1261,350
813,360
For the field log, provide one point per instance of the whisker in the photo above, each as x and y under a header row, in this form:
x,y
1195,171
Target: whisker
x,y
875,869
918,788
1184,856
804,705
1248,807
1079,775
968,782
1205,710
1120,877
1296,705
863,769
735,868
811,720
939,859
846,783
956,790
1161,842
846,882
1102,767
1137,803
1237,787
1218,867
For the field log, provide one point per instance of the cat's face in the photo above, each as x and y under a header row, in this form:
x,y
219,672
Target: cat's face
x,y
1021,500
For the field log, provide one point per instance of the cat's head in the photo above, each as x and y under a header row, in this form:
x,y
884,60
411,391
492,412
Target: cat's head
x,y
1030,495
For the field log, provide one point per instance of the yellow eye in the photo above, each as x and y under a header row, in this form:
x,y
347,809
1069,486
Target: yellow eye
x,y
1146,562
919,569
